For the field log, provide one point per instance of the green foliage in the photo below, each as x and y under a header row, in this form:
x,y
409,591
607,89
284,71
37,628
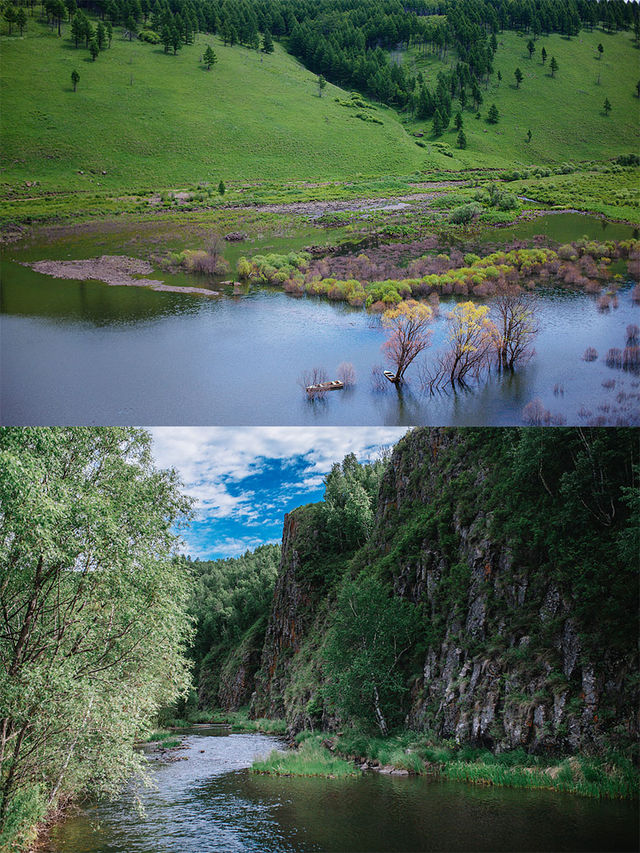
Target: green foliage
x,y
95,605
229,596
464,214
370,635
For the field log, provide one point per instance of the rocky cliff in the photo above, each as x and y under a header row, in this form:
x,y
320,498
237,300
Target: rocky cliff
x,y
513,652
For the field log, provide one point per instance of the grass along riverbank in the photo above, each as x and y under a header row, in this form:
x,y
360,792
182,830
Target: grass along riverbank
x,y
410,753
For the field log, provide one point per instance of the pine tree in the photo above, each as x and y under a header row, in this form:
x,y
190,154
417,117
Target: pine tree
x,y
267,42
10,16
75,79
21,19
543,54
518,75
531,48
493,115
101,35
553,65
209,57
458,121
437,123
94,50
600,51
607,106
77,27
462,139
221,188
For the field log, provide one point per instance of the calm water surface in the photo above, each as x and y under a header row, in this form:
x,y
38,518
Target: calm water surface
x,y
212,803
85,353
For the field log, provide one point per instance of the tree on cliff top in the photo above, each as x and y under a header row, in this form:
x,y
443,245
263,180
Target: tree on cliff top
x,y
93,607
370,634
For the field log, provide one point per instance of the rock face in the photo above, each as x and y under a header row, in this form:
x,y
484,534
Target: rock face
x,y
291,615
505,662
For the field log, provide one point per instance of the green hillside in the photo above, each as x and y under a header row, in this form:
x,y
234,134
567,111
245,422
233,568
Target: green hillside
x,y
564,113
143,120
150,119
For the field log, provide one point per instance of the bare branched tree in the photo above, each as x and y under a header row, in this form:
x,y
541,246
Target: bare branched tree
x,y
515,326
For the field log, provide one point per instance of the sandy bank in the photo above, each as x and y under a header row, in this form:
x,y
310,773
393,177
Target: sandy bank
x,y
115,270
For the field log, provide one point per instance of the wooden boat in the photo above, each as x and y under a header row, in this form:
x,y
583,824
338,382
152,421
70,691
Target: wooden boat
x,y
390,376
325,386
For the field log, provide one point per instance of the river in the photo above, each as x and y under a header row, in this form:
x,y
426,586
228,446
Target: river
x,y
211,803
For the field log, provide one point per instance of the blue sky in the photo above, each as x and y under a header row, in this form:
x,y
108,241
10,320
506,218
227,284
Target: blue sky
x,y
244,479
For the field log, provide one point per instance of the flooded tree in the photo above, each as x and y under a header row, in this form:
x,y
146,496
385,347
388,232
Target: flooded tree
x,y
409,334
471,339
515,326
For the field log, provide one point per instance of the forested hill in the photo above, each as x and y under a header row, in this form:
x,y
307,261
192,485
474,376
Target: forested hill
x,y
490,575
150,95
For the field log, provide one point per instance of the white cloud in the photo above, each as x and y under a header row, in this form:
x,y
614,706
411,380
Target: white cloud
x,y
210,460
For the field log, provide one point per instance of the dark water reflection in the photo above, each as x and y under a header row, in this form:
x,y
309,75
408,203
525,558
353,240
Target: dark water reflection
x,y
211,803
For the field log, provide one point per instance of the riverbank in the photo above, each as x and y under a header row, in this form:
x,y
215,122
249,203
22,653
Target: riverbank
x,y
410,753
603,188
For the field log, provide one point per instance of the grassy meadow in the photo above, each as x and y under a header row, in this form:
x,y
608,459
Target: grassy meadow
x,y
142,122
150,120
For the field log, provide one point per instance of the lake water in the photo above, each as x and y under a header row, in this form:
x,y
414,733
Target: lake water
x,y
85,353
211,802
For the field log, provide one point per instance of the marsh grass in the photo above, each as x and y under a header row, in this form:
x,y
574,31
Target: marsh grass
x,y
310,759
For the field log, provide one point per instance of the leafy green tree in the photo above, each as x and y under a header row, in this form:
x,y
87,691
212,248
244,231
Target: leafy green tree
x,y
370,635
267,42
75,79
461,139
531,48
518,75
350,495
221,188
209,57
94,50
607,106
493,115
322,83
543,55
553,65
94,609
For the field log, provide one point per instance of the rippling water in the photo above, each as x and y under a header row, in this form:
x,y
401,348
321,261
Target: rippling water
x,y
212,804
